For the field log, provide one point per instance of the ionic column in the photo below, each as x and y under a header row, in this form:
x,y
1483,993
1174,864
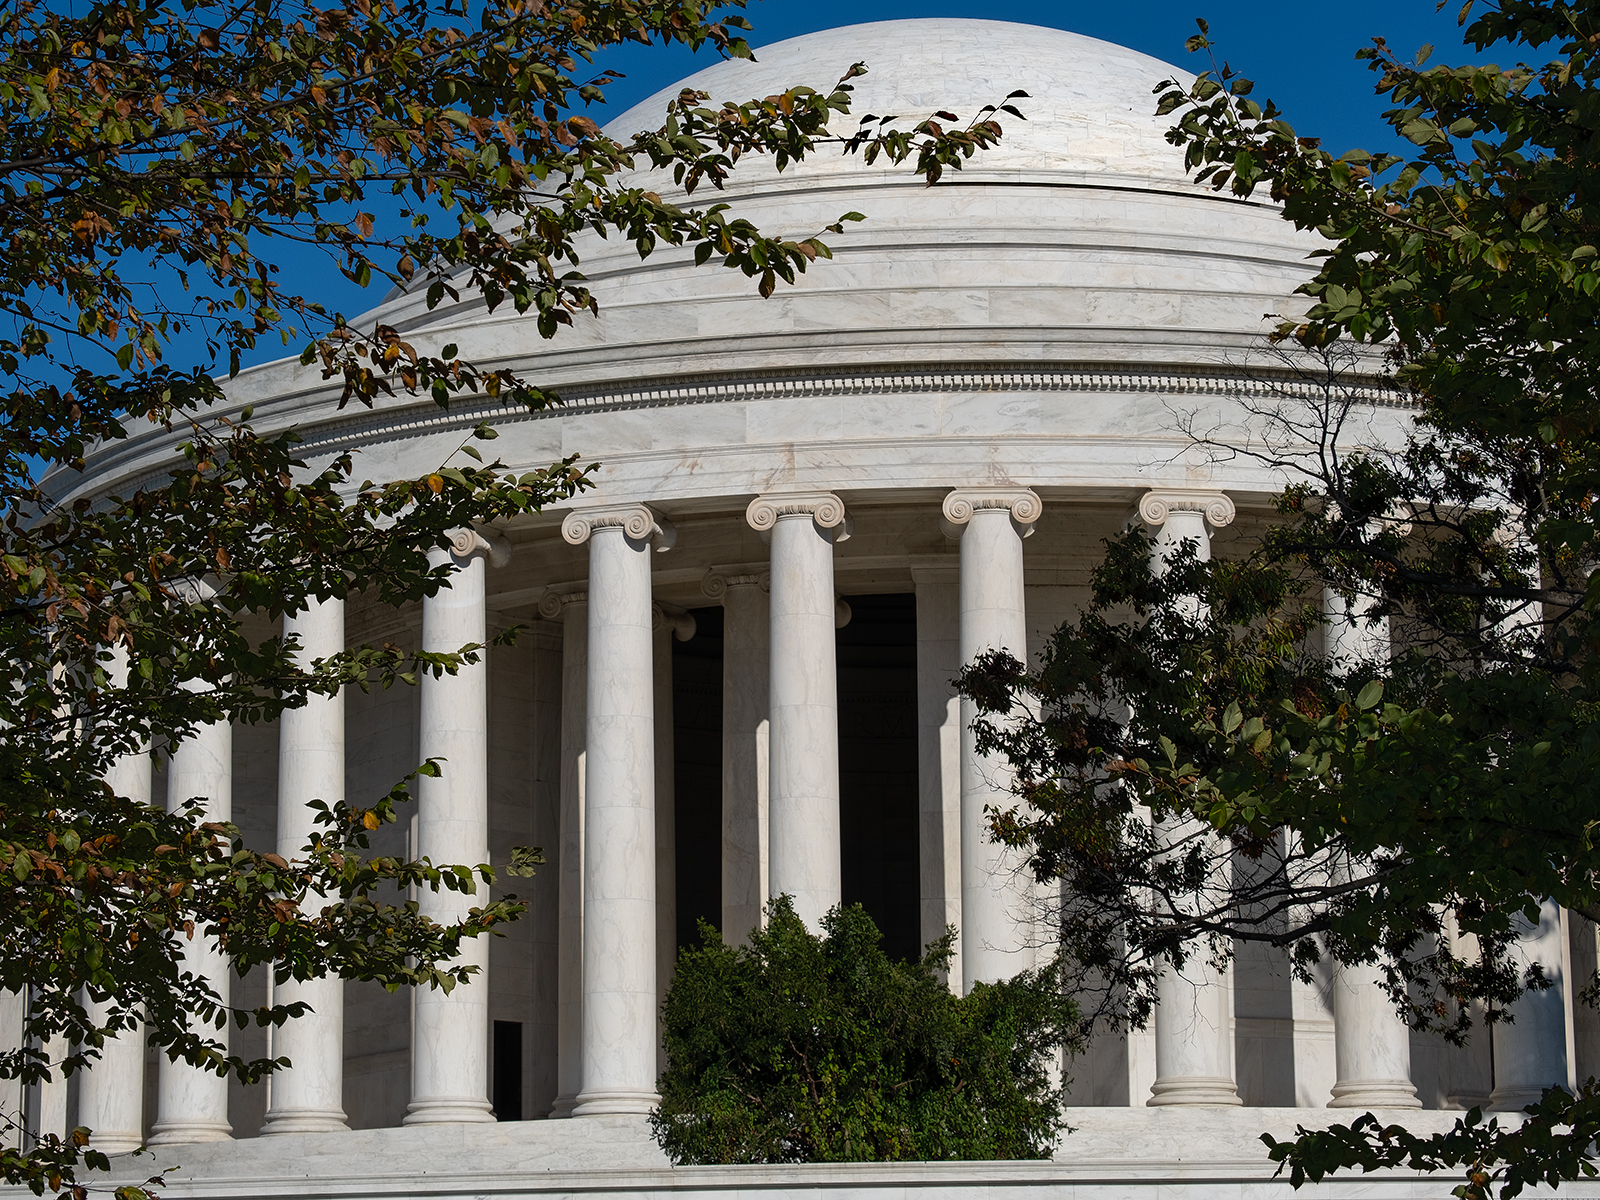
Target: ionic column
x,y
192,1104
307,1096
667,624
13,1093
619,868
803,694
746,653
1531,1053
939,755
50,1095
572,608
1372,1045
111,1091
996,913
450,1031
1194,1037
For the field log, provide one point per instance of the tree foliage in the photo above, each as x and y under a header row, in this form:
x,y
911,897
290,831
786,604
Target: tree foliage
x,y
804,1047
1372,733
158,159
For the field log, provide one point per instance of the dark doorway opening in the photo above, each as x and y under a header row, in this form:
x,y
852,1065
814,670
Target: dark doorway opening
x,y
877,654
508,1070
697,773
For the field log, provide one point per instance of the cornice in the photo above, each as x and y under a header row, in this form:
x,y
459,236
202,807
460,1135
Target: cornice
x,y
840,381
399,421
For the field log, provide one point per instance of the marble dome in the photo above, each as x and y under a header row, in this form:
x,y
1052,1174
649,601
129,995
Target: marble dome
x,y
1076,247
1090,108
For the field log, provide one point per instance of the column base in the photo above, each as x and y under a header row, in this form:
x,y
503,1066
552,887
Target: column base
x,y
304,1120
453,1110
615,1100
111,1143
189,1133
1510,1100
562,1108
1375,1093
1193,1089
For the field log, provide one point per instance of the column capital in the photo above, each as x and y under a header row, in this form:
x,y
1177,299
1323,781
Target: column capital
x,y
468,543
553,602
1156,505
716,582
825,509
678,620
1023,504
637,521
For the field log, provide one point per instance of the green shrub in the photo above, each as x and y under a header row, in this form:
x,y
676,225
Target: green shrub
x,y
807,1048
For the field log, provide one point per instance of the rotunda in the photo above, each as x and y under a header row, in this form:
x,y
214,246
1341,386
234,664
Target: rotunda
x,y
733,676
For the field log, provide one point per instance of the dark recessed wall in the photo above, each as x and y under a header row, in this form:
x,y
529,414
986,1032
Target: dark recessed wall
x,y
878,765
697,774
877,656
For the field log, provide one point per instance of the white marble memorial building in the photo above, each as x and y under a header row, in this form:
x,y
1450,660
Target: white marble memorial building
x,y
733,680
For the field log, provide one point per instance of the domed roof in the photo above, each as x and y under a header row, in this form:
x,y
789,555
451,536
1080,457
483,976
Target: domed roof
x,y
1090,104
1074,259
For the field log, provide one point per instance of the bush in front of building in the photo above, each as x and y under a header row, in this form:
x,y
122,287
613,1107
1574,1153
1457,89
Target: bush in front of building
x,y
803,1047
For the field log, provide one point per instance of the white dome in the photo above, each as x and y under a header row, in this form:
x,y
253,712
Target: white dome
x,y
1090,104
1073,263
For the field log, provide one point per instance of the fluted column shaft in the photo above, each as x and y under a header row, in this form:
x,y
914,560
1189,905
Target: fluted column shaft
x,y
1530,1054
803,696
668,625
111,1091
619,869
1372,1045
996,911
308,1095
1194,1036
192,1104
450,1031
939,756
746,654
573,609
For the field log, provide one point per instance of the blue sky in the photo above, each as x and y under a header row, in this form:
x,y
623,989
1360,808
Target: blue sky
x,y
1301,56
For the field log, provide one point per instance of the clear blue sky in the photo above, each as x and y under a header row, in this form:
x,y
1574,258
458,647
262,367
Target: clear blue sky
x,y
1300,55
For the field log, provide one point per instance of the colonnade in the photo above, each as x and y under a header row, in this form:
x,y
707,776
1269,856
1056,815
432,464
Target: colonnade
x,y
780,827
